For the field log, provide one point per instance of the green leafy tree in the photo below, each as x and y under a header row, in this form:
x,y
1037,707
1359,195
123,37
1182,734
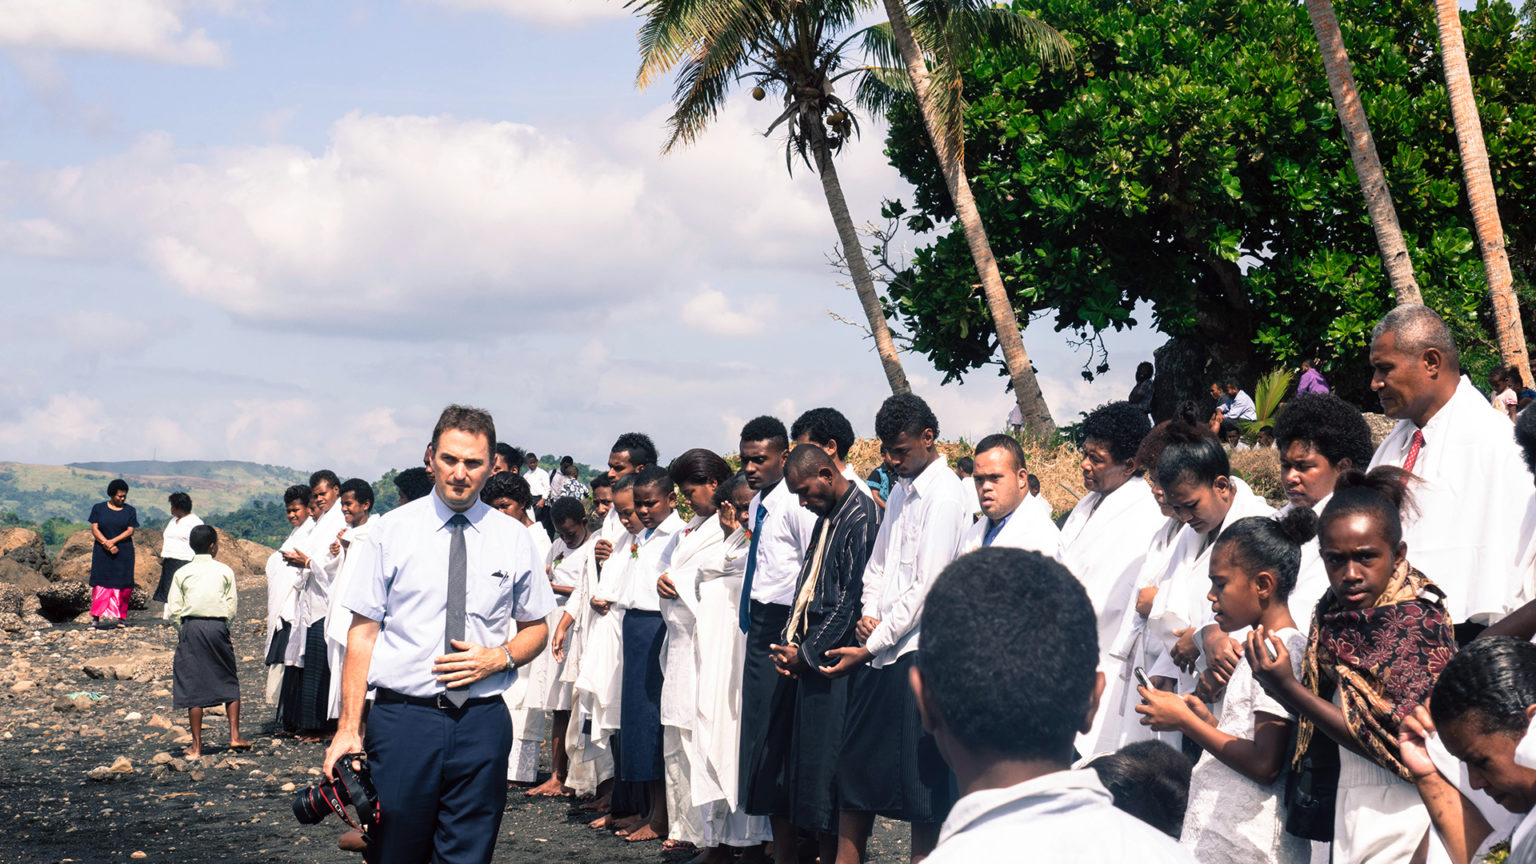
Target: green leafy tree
x,y
1193,160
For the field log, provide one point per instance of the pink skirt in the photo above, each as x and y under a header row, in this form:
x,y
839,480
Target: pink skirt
x,y
110,602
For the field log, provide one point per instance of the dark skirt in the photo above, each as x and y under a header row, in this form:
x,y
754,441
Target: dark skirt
x,y
279,646
765,696
640,705
304,702
890,765
811,772
203,671
112,571
168,568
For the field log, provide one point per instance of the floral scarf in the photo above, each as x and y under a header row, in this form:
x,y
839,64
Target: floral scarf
x,y
1384,660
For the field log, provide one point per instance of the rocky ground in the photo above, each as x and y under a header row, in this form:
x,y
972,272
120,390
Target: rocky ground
x,y
91,748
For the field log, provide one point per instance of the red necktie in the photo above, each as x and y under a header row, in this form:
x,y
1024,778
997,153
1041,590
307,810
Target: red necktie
x,y
1413,450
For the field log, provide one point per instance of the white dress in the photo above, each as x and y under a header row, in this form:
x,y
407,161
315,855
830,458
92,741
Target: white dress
x,y
529,725
721,648
1230,819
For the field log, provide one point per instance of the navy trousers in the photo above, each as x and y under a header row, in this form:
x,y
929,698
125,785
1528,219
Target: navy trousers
x,y
442,781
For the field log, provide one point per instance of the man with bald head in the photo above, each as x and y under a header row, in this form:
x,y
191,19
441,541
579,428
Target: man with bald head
x,y
805,735
1473,490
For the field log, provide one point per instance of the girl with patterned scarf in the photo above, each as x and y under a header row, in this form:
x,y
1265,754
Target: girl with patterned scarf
x,y
1380,637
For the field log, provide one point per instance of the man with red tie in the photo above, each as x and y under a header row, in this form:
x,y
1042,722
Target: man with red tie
x,y
1472,490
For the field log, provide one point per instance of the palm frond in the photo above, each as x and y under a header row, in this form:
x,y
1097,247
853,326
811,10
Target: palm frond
x,y
1267,396
880,88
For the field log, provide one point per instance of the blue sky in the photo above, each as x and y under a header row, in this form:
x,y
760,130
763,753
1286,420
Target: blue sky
x,y
291,232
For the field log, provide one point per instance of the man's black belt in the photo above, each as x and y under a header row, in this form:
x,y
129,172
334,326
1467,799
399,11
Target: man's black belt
x,y
440,701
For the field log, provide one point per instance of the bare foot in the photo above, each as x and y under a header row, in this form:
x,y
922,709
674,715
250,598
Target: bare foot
x,y
629,823
642,834
712,855
239,744
597,805
601,822
189,753
551,788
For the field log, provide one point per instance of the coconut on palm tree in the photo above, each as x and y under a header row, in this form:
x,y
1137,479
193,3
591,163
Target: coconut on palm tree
x,y
800,51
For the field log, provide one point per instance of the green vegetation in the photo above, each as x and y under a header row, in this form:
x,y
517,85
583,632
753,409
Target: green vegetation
x,y
36,493
1193,161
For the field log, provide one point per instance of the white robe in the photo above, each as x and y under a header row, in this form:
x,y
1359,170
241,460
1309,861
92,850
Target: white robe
x,y
338,620
1117,724
1472,498
680,663
599,681
721,649
1105,543
314,581
1311,576
591,762
282,601
548,687
1025,529
1181,595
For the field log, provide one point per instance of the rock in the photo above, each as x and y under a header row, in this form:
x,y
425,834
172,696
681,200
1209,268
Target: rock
x,y
1380,425
92,732
10,599
196,775
178,764
255,554
181,736
137,855
10,622
159,722
214,711
23,577
65,601
23,686
133,715
227,765
100,772
161,758
121,765
25,547
287,787
159,771
128,667
65,704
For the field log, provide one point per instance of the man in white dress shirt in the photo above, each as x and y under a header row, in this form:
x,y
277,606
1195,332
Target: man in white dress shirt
x,y
1001,481
828,429
1011,747
889,766
781,532
965,469
1472,492
449,601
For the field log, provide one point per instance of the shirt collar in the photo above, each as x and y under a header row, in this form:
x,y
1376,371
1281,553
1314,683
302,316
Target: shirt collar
x,y
1082,783
922,482
201,556
474,514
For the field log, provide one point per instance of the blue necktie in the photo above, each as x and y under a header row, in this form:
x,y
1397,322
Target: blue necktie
x,y
746,584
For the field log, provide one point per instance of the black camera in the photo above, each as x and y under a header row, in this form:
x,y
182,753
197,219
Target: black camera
x,y
352,787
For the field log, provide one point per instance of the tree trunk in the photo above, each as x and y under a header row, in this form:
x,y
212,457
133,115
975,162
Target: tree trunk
x,y
1480,196
1026,387
853,253
1362,151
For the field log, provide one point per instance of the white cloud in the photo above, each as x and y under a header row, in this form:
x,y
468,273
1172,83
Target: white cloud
x,y
557,13
154,30
66,424
712,312
417,225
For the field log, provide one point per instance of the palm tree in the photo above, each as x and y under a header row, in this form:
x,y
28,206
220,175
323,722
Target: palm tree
x,y
947,31
1480,195
787,47
1362,151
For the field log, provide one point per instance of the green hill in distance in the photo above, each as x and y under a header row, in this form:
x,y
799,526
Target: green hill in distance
x,y
36,493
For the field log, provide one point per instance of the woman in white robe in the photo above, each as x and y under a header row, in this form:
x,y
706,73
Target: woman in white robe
x,y
720,648
282,598
698,474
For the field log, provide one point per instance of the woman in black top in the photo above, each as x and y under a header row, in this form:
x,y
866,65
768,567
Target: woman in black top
x,y
112,525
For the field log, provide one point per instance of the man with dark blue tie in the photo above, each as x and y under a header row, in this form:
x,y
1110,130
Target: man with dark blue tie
x,y
781,532
446,604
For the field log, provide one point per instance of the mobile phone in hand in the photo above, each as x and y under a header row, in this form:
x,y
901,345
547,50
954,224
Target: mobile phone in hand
x,y
1142,679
